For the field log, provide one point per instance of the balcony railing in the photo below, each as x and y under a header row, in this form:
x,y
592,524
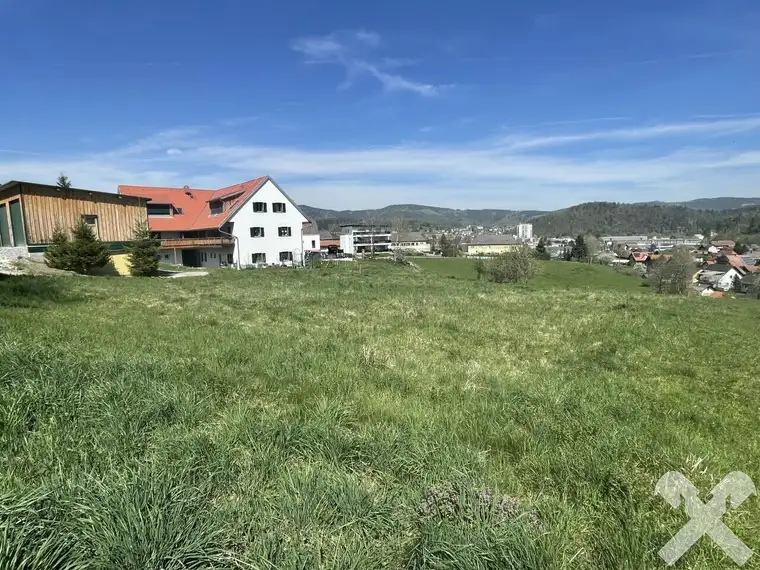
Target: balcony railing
x,y
188,243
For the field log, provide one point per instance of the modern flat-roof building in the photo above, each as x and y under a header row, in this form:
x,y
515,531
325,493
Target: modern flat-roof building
x,y
365,239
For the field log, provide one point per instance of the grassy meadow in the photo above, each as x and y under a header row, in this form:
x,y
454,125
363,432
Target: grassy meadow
x,y
367,416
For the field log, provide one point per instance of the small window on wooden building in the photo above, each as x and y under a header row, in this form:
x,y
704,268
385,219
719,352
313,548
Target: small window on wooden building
x,y
92,221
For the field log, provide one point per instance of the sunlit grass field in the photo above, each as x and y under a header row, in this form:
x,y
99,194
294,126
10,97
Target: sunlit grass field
x,y
550,275
366,416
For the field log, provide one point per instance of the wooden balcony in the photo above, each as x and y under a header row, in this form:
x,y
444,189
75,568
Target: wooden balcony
x,y
192,243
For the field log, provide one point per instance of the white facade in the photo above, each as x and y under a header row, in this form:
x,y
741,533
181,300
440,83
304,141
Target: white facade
x,y
525,231
311,242
276,249
360,240
726,282
412,246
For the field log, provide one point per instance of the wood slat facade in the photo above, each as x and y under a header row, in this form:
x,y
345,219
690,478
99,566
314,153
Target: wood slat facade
x,y
46,207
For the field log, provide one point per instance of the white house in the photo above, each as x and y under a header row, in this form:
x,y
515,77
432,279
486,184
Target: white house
x,y
311,241
720,280
254,223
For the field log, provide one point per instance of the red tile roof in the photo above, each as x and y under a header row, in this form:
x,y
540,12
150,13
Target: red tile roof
x,y
194,203
191,200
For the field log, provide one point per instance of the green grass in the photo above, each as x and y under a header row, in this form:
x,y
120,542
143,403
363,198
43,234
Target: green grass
x,y
365,416
551,274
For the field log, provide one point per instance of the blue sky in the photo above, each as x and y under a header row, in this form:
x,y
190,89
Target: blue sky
x,y
519,105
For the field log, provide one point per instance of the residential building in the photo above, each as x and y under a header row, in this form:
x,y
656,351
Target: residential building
x,y
311,242
525,232
638,257
489,244
327,240
29,213
409,241
720,277
365,239
251,224
723,244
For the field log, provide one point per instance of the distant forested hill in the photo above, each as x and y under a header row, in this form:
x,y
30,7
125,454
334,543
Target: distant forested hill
x,y
424,215
723,203
658,218
627,219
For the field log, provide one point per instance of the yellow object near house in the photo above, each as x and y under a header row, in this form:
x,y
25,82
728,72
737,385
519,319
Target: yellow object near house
x,y
120,263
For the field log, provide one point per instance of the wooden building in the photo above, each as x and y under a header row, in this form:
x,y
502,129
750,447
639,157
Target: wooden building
x,y
30,212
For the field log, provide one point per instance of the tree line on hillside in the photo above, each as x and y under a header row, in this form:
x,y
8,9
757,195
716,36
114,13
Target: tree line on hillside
x,y
625,219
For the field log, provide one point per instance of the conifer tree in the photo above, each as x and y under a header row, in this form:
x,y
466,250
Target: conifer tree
x,y
86,251
143,254
58,254
63,181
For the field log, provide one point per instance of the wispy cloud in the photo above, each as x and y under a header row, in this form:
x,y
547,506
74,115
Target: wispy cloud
x,y
483,172
717,127
355,52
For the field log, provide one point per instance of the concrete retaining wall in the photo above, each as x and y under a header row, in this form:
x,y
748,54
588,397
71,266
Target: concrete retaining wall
x,y
13,253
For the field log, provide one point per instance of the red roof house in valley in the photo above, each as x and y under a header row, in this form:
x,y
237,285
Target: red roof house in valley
x,y
248,224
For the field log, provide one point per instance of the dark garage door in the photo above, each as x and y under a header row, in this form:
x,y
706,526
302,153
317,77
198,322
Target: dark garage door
x,y
17,224
5,234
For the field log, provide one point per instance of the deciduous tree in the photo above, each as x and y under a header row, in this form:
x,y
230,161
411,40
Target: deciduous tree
x,y
674,275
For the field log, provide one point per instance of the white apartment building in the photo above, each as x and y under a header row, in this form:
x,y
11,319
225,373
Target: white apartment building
x,y
360,240
525,231
254,223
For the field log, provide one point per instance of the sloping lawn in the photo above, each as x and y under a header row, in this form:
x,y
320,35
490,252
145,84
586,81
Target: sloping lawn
x,y
373,418
551,274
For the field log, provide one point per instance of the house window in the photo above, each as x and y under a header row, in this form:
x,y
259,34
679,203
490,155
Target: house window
x,y
92,221
215,207
259,257
278,207
229,259
313,244
284,231
260,207
166,256
257,232
286,256
159,209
